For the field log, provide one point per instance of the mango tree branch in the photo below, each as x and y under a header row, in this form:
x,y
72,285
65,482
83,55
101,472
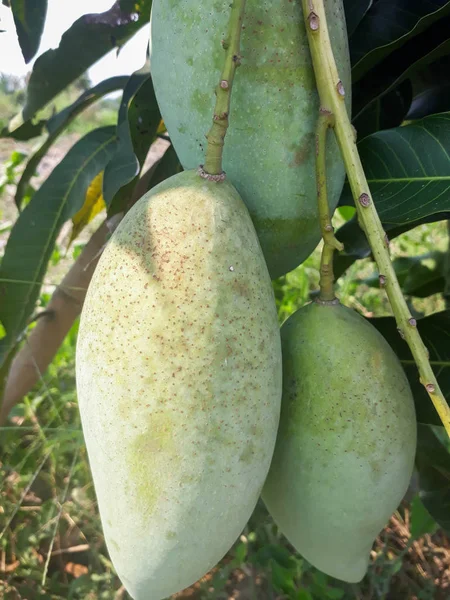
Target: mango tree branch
x,y
330,243
216,135
332,94
52,326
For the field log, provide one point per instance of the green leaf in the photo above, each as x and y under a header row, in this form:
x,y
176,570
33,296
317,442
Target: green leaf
x,y
408,172
354,13
385,112
433,465
138,122
421,520
419,276
90,37
388,25
59,122
33,236
403,64
29,18
431,90
435,332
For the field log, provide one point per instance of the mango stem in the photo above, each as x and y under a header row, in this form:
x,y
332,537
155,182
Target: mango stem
x,y
330,243
332,93
216,135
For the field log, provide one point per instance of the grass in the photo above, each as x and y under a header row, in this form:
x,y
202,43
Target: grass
x,y
51,542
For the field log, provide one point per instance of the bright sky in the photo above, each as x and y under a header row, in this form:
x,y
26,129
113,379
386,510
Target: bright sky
x,y
60,16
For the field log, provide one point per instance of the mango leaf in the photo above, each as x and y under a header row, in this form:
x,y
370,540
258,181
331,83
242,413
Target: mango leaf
x,y
29,19
408,171
385,112
139,119
419,276
164,168
421,520
402,64
58,124
124,165
433,466
431,90
435,332
33,236
354,13
93,205
389,24
90,37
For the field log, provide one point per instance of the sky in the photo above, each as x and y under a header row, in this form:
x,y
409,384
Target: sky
x,y
60,16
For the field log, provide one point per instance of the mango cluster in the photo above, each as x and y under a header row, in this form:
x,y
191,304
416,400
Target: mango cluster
x,y
182,373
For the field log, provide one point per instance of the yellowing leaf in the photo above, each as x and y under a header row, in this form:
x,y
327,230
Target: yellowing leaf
x,y
161,128
93,204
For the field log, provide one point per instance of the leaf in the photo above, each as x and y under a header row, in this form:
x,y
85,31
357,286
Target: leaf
x,y
90,37
421,520
433,465
402,64
33,236
385,112
408,172
432,90
419,276
388,25
93,205
435,332
354,12
57,124
29,18
138,122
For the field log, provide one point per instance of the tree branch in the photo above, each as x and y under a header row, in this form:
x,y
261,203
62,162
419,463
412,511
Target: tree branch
x,y
332,93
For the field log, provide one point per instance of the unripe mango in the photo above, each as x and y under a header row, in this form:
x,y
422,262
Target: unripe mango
x,y
270,147
347,438
179,382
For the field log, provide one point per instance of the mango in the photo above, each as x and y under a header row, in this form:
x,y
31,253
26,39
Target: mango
x,y
178,367
346,444
270,148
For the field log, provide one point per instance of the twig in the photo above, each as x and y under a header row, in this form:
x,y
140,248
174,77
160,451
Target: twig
x,y
216,135
332,93
330,243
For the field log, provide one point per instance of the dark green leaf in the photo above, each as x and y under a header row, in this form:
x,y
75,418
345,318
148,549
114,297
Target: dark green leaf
x,y
402,64
433,465
435,332
29,18
385,112
33,236
167,166
431,90
90,37
388,25
138,122
421,520
408,171
59,122
419,276
354,12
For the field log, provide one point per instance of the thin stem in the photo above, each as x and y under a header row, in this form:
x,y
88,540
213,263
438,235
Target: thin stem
x,y
332,94
330,243
216,135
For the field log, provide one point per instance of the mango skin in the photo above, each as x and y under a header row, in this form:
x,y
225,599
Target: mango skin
x,y
346,444
270,145
179,382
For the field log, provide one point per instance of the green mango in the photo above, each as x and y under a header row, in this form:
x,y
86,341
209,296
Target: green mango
x,y
269,153
179,382
346,443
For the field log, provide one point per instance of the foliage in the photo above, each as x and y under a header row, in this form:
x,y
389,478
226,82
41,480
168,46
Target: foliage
x,y
401,108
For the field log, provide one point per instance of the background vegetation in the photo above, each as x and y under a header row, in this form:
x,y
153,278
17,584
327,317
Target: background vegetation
x,y
51,543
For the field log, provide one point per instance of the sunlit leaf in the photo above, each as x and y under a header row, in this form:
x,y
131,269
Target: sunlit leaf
x,y
93,205
30,244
